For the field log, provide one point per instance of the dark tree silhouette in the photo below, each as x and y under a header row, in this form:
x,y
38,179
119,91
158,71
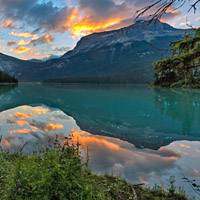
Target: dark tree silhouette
x,y
6,78
163,6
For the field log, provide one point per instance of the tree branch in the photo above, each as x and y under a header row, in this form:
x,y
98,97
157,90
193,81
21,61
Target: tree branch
x,y
162,7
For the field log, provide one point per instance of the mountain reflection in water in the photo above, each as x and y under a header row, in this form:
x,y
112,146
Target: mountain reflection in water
x,y
39,125
142,116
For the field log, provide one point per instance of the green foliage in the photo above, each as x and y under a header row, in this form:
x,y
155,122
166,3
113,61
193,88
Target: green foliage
x,y
183,66
132,77
60,173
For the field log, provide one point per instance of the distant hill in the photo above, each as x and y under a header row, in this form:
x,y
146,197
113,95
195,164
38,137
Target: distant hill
x,y
124,54
45,59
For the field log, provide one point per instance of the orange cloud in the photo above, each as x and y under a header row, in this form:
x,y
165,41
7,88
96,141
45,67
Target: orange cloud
x,y
87,139
22,42
21,49
82,29
185,146
22,123
21,131
8,23
196,172
24,34
47,38
20,115
53,127
40,110
5,142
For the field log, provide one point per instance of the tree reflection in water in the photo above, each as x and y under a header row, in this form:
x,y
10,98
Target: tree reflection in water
x,y
181,105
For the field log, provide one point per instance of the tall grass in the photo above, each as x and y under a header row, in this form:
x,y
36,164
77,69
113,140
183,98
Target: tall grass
x,y
60,173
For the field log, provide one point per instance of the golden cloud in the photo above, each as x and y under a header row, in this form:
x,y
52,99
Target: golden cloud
x,y
184,146
40,110
44,39
21,131
22,123
20,115
22,42
53,127
24,34
20,50
84,28
8,23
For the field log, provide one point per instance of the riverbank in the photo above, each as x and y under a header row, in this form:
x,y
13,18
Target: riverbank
x,y
61,173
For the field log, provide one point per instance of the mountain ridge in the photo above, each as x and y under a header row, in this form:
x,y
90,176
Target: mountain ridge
x,y
136,32
109,53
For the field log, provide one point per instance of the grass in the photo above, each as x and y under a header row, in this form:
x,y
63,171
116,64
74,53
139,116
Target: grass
x,y
60,173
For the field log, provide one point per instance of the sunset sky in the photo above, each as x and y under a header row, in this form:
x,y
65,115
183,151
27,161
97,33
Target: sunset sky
x,y
39,28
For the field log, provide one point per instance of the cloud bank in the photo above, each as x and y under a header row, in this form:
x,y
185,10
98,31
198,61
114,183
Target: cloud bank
x,y
36,23
84,18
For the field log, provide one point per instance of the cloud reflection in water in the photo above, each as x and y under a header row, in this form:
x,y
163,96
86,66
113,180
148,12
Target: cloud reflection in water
x,y
39,125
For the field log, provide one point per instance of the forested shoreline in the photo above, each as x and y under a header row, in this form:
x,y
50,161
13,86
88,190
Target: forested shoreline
x,y
182,69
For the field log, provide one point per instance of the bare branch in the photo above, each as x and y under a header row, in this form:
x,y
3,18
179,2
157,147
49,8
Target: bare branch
x,y
164,6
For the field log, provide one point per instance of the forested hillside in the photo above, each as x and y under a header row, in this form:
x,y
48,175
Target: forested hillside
x,y
6,78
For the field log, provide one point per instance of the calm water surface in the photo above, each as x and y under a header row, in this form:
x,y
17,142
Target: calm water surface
x,y
143,135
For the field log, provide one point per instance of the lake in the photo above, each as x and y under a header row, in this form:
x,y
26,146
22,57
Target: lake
x,y
140,134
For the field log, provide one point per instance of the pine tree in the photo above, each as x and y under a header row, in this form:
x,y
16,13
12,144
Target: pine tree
x,y
183,67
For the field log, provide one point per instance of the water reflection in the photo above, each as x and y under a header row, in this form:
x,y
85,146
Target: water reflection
x,y
181,106
6,88
38,126
135,114
35,125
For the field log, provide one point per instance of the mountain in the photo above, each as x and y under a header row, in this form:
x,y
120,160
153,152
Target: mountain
x,y
141,30
125,54
13,66
6,78
44,59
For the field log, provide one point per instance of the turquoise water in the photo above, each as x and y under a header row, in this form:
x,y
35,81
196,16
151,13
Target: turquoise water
x,y
143,135
129,113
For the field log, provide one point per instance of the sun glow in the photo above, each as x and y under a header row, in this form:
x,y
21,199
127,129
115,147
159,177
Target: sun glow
x,y
81,29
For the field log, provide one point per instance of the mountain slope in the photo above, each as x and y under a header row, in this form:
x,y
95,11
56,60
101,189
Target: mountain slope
x,y
126,52
141,30
13,66
45,59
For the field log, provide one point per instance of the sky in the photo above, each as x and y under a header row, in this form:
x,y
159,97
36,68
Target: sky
x,y
41,28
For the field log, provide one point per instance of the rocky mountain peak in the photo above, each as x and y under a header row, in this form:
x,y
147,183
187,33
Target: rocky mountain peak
x,y
140,30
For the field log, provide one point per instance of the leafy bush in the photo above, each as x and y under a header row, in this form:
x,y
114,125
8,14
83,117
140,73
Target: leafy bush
x,y
60,173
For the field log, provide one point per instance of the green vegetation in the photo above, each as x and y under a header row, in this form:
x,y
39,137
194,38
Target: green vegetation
x,y
182,69
6,78
132,77
59,173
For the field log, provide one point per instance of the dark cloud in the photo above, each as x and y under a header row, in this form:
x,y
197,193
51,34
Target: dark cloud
x,y
12,122
62,49
8,24
41,16
44,39
11,43
89,16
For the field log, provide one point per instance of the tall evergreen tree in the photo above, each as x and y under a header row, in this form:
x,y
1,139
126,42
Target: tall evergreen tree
x,y
183,67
